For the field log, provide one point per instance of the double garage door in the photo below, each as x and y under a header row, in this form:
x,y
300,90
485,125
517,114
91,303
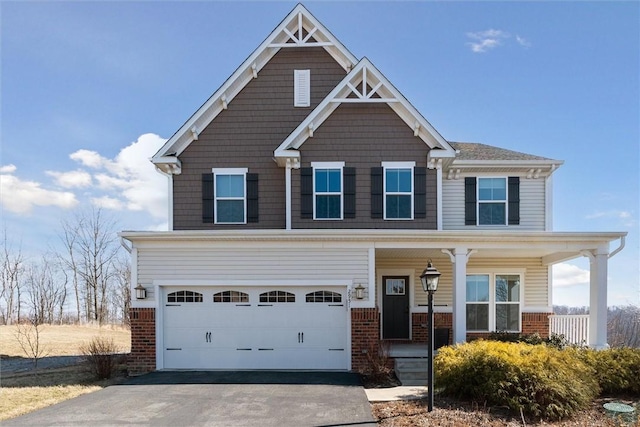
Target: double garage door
x,y
255,328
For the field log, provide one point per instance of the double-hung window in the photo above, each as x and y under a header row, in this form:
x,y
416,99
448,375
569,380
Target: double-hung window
x,y
398,190
493,302
492,201
230,196
327,190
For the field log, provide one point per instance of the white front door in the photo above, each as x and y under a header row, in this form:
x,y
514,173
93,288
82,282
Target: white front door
x,y
255,328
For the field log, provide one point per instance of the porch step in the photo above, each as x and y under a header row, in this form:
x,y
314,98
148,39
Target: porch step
x,y
411,370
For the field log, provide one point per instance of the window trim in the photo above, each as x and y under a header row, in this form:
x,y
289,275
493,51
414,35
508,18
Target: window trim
x,y
330,166
397,165
505,201
492,297
227,172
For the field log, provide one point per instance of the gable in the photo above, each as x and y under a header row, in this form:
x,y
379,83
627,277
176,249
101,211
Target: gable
x,y
365,84
299,29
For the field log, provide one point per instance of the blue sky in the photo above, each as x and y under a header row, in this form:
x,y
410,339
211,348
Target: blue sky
x,y
90,90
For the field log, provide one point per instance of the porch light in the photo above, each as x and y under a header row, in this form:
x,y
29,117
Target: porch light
x,y
359,291
429,278
141,292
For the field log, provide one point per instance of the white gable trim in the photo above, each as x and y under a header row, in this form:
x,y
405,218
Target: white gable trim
x,y
364,84
287,34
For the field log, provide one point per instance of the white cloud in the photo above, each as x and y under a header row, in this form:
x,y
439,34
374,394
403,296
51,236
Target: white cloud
x,y
483,41
71,179
129,180
20,196
569,275
8,169
88,158
610,214
107,202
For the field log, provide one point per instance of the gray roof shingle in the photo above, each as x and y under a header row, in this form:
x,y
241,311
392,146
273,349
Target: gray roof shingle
x,y
477,151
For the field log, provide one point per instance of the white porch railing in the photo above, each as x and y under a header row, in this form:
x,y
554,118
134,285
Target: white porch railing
x,y
574,327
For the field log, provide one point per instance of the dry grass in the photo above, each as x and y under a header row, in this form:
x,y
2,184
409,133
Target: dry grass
x,y
64,340
24,392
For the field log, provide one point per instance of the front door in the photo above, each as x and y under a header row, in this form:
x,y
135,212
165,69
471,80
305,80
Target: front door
x,y
395,307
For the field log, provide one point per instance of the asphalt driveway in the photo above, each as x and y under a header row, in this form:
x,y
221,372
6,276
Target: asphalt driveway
x,y
216,399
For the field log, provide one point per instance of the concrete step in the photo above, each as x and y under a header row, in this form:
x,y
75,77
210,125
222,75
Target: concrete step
x,y
411,371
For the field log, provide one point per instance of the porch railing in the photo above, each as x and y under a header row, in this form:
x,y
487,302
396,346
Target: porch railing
x,y
574,327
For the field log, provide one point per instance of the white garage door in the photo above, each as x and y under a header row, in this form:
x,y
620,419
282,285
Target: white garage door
x,y
255,328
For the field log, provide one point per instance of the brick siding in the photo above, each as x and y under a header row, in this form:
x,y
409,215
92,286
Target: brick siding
x,y
419,325
143,341
536,322
365,336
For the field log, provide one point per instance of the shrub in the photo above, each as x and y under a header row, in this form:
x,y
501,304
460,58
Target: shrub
x,y
101,353
538,380
554,340
378,369
617,370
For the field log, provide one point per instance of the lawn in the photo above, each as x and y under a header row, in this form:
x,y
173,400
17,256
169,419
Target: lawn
x,y
24,391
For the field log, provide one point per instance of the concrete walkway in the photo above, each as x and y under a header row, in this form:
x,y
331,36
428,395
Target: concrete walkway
x,y
396,393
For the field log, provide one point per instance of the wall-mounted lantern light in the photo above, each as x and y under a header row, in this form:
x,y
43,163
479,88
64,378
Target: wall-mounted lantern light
x,y
141,292
359,291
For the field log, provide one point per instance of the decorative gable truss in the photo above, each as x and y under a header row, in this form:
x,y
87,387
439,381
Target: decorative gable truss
x,y
299,29
365,84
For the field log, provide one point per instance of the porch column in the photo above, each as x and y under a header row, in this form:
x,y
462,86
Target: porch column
x,y
598,263
459,258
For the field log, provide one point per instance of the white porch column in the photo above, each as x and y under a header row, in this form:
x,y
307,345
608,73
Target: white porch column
x,y
598,263
459,258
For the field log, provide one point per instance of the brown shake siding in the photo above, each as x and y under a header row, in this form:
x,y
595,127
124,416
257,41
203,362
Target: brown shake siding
x,y
245,135
363,136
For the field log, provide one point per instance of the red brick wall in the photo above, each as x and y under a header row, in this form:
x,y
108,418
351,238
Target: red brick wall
x,y
365,336
419,325
536,322
143,341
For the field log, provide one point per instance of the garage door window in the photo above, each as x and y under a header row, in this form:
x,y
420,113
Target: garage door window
x,y
277,296
184,296
230,296
324,296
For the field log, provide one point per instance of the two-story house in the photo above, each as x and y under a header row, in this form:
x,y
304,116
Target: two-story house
x,y
306,197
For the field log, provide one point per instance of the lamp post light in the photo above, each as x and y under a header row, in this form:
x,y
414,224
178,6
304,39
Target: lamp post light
x,y
429,278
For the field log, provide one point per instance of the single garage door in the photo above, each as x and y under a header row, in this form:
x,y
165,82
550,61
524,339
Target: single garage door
x,y
256,328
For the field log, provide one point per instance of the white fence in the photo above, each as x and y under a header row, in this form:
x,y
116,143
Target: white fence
x,y
574,327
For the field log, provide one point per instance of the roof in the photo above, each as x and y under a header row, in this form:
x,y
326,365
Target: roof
x,y
477,151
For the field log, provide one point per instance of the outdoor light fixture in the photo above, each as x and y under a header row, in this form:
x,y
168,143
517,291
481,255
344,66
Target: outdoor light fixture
x,y
359,291
141,292
429,278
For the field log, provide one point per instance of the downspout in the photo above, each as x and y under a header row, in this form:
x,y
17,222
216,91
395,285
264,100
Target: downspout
x,y
124,244
170,201
621,247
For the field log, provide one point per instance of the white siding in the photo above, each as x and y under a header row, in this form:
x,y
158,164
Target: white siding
x,y
216,263
536,289
532,205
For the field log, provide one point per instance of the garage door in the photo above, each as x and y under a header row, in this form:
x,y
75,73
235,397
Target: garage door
x,y
255,328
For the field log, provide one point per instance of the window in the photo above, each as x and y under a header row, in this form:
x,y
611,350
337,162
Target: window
x,y
323,296
327,190
184,296
395,286
492,201
493,302
301,88
230,196
277,296
230,296
398,190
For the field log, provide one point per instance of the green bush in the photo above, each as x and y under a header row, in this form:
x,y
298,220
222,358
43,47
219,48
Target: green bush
x,y
538,380
617,370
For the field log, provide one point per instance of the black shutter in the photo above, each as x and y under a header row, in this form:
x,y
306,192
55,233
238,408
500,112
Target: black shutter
x,y
306,193
252,197
377,192
349,177
208,198
514,200
470,201
419,192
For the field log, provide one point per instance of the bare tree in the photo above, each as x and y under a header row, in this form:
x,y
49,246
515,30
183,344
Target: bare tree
x,y
28,334
91,252
122,291
68,259
46,290
623,328
10,293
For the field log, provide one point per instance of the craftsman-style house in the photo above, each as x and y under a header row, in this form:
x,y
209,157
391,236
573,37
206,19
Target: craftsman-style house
x,y
307,195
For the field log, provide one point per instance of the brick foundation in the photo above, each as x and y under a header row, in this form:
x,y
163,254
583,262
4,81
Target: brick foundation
x,y
536,322
143,341
365,336
419,325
